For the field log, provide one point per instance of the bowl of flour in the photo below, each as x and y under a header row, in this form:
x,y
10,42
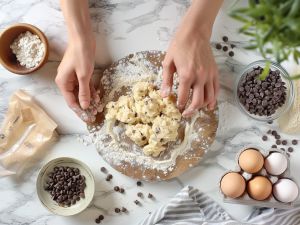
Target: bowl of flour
x,y
23,48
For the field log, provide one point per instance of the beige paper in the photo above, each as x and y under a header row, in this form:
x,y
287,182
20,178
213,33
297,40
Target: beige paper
x,y
24,134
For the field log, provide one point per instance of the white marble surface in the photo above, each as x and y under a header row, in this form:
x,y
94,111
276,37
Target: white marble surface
x,y
129,26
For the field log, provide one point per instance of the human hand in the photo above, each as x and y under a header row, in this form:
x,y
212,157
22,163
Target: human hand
x,y
192,59
74,74
190,55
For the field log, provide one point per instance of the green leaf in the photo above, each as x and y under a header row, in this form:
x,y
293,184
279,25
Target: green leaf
x,y
239,18
265,71
294,9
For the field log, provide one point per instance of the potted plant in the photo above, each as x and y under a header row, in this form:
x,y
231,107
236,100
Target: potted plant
x,y
273,27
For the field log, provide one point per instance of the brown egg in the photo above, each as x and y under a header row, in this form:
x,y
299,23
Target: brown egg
x,y
259,188
233,185
251,160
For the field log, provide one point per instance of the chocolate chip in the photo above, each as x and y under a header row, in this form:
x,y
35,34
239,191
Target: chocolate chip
x,y
139,183
232,45
225,38
231,53
278,142
283,149
97,220
144,138
122,190
117,210
116,188
274,133
274,146
218,46
124,209
103,170
294,142
225,48
140,194
270,121
277,136
284,142
64,187
290,149
101,217
264,138
269,132
150,195
137,202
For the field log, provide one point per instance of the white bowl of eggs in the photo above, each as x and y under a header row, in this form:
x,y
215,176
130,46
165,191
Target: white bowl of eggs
x,y
261,178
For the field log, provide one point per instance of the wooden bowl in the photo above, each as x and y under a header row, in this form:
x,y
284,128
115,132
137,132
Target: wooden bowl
x,y
8,58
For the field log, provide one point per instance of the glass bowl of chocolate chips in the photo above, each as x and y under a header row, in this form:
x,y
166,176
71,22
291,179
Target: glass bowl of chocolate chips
x,y
264,99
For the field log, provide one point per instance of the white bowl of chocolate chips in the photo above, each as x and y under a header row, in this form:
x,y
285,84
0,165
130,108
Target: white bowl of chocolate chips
x,y
65,186
267,99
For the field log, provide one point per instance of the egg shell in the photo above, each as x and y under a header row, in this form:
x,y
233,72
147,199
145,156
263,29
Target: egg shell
x,y
259,188
276,163
233,185
285,190
251,160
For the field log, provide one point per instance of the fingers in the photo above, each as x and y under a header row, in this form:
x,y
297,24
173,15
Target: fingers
x,y
84,95
67,90
183,91
211,105
167,82
197,101
209,94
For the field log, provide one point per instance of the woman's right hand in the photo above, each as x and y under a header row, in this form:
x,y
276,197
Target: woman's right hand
x,y
75,71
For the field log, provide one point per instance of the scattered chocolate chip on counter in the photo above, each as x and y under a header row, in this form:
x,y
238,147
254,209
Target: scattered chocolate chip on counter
x,y
274,146
225,48
232,45
231,53
116,188
264,138
284,142
109,177
66,185
278,142
225,38
218,46
124,210
140,194
121,190
150,195
101,217
103,169
97,220
290,149
139,183
137,202
117,210
294,142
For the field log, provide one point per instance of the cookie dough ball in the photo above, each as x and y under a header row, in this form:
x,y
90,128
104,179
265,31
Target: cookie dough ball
x,y
112,110
153,149
147,109
164,130
138,133
155,94
126,110
170,110
141,89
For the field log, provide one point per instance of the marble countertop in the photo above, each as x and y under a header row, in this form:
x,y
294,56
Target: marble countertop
x,y
128,26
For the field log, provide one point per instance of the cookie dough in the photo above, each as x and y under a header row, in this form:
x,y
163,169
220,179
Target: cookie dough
x,y
152,122
139,133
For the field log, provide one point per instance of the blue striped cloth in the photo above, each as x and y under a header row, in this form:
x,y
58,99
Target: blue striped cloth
x,y
191,207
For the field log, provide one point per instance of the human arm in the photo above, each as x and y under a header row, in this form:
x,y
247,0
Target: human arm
x,y
76,68
190,55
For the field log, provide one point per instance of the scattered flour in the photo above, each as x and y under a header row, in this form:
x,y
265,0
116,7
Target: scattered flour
x,y
29,49
111,142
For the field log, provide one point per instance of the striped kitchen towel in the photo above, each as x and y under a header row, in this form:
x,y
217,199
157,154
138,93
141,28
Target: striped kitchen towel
x,y
191,207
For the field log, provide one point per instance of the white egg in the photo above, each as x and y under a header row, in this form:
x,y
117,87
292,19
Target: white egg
x,y
285,190
276,163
